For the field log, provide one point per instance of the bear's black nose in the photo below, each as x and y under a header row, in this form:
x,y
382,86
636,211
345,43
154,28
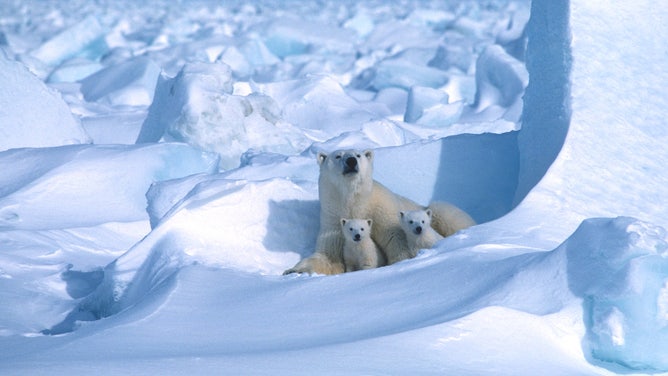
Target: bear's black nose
x,y
357,237
351,162
418,230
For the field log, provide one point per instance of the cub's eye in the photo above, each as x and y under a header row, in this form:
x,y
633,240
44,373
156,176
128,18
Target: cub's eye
x,y
359,156
351,229
338,157
422,221
411,222
362,229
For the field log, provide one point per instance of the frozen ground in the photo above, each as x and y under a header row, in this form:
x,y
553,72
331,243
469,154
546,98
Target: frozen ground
x,y
158,175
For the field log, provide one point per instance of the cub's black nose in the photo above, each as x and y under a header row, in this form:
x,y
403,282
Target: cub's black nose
x,y
357,237
351,162
418,230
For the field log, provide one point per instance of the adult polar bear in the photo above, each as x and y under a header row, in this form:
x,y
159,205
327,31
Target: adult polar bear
x,y
347,190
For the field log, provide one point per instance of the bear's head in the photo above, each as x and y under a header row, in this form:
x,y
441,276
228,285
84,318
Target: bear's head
x,y
356,229
415,221
346,163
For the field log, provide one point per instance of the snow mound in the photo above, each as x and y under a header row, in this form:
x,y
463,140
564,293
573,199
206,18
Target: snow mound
x,y
24,124
272,219
198,107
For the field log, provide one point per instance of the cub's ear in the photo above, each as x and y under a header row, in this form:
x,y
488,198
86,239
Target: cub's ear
x,y
343,221
401,214
368,154
321,157
369,222
428,213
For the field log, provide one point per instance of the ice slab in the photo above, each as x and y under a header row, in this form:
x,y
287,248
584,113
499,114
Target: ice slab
x,y
620,268
33,115
116,127
317,104
500,82
397,73
74,70
131,83
85,38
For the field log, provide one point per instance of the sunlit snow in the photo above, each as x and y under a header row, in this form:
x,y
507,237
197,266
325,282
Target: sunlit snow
x,y
159,175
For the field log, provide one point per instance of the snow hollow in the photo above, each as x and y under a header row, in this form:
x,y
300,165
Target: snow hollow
x,y
159,174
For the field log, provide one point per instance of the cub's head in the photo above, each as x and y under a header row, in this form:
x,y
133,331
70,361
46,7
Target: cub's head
x,y
415,221
346,163
356,229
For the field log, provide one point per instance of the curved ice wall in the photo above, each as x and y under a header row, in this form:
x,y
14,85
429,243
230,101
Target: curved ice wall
x,y
546,113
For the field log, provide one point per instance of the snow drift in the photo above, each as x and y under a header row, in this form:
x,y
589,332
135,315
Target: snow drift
x,y
155,257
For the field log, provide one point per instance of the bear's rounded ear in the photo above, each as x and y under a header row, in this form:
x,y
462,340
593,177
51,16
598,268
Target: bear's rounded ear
x,y
321,157
428,213
369,222
401,214
368,154
343,221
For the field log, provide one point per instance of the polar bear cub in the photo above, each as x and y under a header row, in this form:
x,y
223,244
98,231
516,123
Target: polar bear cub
x,y
359,250
417,227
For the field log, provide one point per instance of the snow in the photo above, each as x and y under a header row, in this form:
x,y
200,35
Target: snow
x,y
25,124
159,175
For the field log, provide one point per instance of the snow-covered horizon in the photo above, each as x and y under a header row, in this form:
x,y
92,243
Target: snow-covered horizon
x,y
159,175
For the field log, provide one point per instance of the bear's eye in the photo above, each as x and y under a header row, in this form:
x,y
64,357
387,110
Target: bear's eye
x,y
411,221
351,229
362,229
422,221
359,156
338,157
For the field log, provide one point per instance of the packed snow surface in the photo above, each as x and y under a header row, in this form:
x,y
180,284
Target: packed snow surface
x,y
159,175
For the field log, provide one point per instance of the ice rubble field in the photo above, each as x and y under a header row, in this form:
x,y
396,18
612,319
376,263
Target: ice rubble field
x,y
158,175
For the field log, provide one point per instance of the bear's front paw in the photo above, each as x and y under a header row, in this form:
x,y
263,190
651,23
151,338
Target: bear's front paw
x,y
296,270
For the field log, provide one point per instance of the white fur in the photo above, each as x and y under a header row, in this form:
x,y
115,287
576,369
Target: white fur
x,y
359,250
417,227
347,190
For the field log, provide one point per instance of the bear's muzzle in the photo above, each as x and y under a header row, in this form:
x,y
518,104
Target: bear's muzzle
x,y
350,164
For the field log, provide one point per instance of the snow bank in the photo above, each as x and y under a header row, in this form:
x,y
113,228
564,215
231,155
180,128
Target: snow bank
x,y
608,163
272,220
24,124
275,220
99,183
534,291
